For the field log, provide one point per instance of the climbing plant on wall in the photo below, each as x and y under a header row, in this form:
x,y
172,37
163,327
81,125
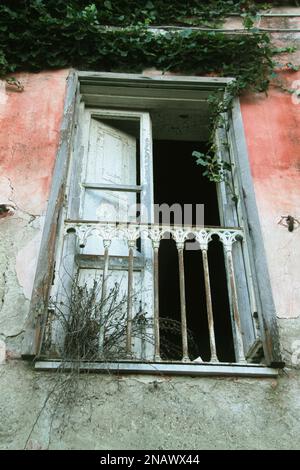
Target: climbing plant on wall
x,y
124,12
116,36
38,34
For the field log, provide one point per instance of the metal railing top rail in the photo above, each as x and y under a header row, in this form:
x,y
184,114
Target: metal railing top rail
x,y
77,222
155,232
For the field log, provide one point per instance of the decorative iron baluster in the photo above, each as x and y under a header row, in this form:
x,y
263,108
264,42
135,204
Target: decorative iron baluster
x,y
156,234
108,231
131,234
228,238
203,237
131,245
180,237
106,244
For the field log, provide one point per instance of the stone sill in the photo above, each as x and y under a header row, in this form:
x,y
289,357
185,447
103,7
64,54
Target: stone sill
x,y
167,368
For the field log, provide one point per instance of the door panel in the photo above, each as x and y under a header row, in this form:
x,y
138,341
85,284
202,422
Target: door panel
x,y
111,160
108,156
112,155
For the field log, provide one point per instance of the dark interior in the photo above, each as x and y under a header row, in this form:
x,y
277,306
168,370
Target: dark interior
x,y
177,179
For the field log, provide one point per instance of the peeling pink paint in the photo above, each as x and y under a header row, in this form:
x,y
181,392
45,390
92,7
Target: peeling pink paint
x,y
272,128
271,125
29,136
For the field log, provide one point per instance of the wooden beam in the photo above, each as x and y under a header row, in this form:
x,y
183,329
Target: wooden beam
x,y
113,187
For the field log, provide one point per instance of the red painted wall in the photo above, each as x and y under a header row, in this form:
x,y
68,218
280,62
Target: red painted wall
x,y
29,137
272,128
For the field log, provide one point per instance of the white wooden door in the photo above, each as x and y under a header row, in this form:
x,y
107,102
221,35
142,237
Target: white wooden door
x,y
111,161
109,193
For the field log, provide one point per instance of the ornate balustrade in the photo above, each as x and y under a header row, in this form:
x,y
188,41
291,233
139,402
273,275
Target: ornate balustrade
x,y
107,232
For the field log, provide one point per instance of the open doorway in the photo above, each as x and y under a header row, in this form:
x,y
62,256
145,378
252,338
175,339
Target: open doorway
x,y
177,179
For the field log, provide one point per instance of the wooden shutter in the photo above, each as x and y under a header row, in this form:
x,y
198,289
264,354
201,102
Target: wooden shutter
x,y
102,184
238,208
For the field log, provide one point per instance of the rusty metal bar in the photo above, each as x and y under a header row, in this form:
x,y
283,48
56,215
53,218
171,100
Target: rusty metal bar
x,y
185,353
106,244
235,307
212,339
143,332
129,300
105,269
156,303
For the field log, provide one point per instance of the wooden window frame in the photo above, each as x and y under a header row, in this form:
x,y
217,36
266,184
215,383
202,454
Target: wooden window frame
x,y
138,92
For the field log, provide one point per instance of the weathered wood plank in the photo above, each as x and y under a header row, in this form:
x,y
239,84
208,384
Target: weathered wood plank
x,y
266,307
113,187
159,80
38,306
230,215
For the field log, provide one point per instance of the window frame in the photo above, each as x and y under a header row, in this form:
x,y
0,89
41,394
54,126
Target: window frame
x,y
137,92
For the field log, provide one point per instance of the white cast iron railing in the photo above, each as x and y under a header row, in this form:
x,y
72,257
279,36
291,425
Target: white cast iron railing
x,y
203,235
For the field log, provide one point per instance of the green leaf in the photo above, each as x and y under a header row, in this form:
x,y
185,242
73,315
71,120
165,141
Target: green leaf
x,y
227,166
108,4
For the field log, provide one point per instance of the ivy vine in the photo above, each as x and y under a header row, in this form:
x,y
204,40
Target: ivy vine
x,y
126,13
39,34
115,36
214,169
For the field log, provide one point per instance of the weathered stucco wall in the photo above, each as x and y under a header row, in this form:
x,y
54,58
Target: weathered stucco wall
x,y
272,126
29,137
143,412
272,132
147,412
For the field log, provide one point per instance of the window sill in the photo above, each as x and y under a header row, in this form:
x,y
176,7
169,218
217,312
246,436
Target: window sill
x,y
167,368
